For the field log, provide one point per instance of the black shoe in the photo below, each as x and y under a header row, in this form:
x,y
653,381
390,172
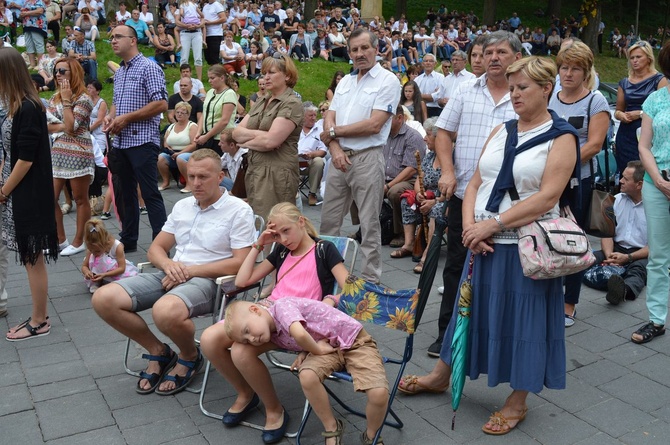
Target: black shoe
x,y
234,419
434,349
274,436
616,290
129,247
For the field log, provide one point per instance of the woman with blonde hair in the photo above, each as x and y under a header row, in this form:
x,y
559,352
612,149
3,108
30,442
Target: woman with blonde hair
x,y
588,112
271,131
72,153
27,213
516,326
179,141
642,80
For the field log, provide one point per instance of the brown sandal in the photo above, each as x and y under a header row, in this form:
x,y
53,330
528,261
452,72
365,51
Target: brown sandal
x,y
401,253
498,418
418,268
418,387
337,434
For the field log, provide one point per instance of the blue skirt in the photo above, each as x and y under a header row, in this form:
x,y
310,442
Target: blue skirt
x,y
517,330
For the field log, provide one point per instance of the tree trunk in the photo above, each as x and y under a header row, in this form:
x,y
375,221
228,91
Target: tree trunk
x,y
590,33
489,16
554,8
310,6
400,5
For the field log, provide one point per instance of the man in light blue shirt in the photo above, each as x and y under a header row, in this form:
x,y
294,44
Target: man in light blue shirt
x,y
143,32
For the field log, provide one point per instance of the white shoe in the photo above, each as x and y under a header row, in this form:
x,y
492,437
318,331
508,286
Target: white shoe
x,y
440,290
93,288
63,245
71,250
65,208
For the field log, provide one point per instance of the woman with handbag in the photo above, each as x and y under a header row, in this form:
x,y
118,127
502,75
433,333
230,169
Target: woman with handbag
x,y
516,327
655,156
588,112
72,156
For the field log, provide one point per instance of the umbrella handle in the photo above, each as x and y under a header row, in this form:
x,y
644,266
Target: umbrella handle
x,y
471,265
453,421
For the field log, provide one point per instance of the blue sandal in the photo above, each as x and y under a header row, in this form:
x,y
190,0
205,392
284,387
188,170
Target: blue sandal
x,y
167,361
182,382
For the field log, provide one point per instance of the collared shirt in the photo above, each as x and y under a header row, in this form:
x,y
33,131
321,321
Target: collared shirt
x,y
399,151
430,84
355,99
207,235
450,84
136,84
631,222
232,163
311,141
139,26
85,49
473,114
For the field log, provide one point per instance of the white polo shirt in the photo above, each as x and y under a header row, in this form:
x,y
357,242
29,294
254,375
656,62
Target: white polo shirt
x,y
451,82
354,101
631,222
311,141
209,235
430,84
232,163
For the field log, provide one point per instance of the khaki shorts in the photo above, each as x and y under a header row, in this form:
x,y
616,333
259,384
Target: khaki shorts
x,y
363,361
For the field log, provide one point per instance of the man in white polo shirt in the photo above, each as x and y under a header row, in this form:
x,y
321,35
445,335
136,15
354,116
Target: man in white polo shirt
x,y
429,84
312,149
356,128
452,80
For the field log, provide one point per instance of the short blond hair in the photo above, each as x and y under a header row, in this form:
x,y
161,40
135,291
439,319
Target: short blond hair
x,y
185,105
579,54
540,70
231,315
648,51
284,64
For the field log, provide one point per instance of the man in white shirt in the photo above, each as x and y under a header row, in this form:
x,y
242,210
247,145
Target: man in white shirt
x,y
451,81
356,128
311,149
281,13
215,17
198,87
232,158
211,233
424,42
429,84
472,113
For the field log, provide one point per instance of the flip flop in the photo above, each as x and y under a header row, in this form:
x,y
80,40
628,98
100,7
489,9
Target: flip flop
x,y
166,360
181,382
418,387
401,253
497,418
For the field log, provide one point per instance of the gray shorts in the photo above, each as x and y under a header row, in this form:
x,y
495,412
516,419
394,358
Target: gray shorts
x,y
34,43
146,289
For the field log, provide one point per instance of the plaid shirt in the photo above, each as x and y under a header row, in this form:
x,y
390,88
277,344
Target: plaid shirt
x,y
472,114
136,84
85,49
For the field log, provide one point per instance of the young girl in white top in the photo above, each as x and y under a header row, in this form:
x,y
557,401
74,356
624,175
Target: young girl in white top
x,y
105,260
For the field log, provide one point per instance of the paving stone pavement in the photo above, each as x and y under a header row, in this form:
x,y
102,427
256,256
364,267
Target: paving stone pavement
x,y
70,387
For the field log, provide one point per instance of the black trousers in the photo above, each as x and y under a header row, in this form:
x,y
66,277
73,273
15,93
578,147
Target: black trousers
x,y
453,268
212,51
133,166
635,275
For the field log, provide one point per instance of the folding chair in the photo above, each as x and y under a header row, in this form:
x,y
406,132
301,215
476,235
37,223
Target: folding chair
x,y
225,290
304,178
400,310
348,248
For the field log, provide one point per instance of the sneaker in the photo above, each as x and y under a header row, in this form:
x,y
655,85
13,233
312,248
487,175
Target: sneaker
x,y
570,319
616,290
105,215
434,349
440,290
143,211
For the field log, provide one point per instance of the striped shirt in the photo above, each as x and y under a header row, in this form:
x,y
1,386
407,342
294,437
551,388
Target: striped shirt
x,y
136,84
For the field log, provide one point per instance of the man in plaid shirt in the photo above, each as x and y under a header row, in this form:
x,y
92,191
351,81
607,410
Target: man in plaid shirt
x,y
84,51
139,99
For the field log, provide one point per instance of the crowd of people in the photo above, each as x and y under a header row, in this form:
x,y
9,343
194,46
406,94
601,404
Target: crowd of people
x,y
429,138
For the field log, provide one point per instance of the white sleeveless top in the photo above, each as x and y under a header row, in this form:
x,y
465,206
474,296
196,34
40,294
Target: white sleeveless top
x,y
179,140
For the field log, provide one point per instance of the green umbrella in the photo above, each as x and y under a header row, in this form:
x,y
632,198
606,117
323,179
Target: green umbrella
x,y
459,343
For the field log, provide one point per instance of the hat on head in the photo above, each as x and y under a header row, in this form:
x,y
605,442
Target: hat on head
x,y
245,33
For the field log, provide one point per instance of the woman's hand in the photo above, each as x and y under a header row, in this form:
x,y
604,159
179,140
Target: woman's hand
x,y
201,140
426,206
664,187
477,237
631,116
65,90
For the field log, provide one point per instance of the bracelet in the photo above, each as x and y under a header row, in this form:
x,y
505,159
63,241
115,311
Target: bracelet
x,y
3,194
500,223
257,246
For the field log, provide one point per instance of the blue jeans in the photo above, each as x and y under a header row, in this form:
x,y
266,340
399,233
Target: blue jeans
x,y
658,233
90,67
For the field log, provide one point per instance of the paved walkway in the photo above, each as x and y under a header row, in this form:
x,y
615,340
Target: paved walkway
x,y
70,387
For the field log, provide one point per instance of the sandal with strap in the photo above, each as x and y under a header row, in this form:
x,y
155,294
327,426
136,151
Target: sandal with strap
x,y
365,440
648,332
166,360
182,382
418,387
41,330
497,418
337,434
418,268
22,324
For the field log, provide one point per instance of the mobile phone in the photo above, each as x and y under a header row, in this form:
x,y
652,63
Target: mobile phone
x,y
665,173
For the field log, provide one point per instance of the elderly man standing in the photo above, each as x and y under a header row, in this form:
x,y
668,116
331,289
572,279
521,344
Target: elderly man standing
x,y
452,80
472,113
429,84
139,99
312,149
356,128
212,233
400,174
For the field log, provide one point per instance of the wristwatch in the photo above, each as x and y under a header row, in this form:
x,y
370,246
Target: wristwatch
x,y
630,258
331,132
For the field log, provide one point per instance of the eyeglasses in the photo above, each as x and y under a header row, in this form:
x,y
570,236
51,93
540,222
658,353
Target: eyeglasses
x,y
119,36
62,71
323,110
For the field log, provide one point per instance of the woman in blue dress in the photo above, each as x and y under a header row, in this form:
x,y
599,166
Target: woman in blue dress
x,y
516,329
642,80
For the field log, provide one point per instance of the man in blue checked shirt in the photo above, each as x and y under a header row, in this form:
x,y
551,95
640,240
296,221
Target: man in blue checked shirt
x,y
139,99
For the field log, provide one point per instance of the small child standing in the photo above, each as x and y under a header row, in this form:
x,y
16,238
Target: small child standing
x,y
329,339
105,260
